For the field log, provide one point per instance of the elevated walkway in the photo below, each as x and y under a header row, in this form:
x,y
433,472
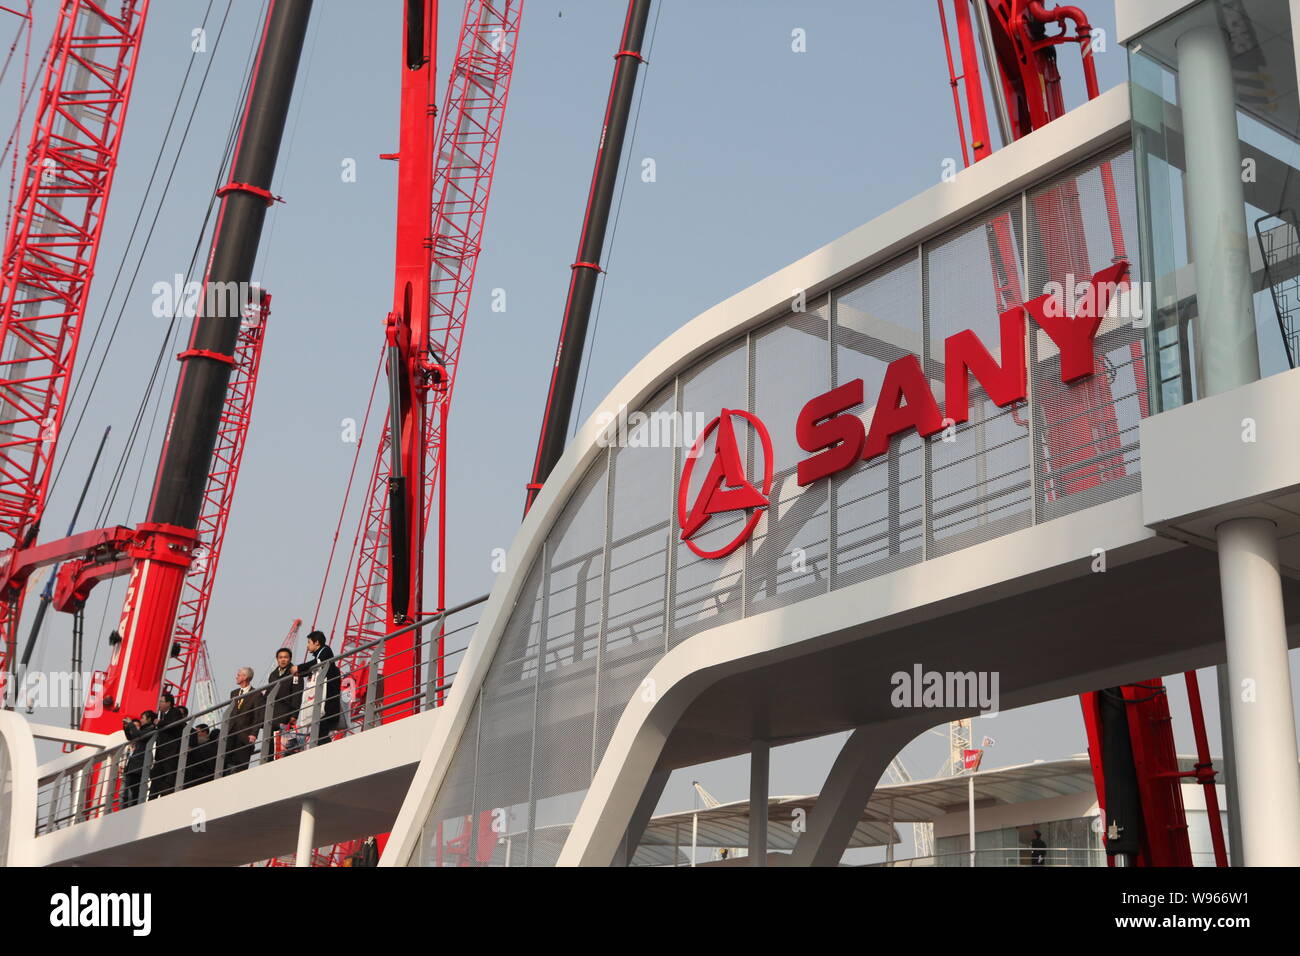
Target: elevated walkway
x,y
357,783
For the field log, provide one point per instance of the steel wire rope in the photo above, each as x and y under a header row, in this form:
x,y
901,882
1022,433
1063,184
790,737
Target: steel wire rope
x,y
23,26
18,122
347,494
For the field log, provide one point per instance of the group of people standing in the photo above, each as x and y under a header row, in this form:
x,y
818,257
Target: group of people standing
x,y
294,693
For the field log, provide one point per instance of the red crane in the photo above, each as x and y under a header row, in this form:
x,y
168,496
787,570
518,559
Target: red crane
x,y
450,176
435,277
1081,431
159,550
76,578
49,258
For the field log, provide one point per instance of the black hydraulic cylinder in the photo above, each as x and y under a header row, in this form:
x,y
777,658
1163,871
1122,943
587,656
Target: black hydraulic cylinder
x,y
1123,800
207,362
582,284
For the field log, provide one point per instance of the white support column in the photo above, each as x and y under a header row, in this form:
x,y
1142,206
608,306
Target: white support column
x,y
1263,721
759,766
1259,740
306,833
1295,31
970,810
853,776
1227,348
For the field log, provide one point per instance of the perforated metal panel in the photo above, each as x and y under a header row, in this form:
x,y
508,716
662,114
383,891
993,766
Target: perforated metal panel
x,y
707,592
787,557
1087,432
642,486
979,474
566,691
490,768
879,515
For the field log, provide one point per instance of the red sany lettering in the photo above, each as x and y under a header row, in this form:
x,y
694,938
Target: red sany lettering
x,y
1074,336
822,428
1004,383
905,402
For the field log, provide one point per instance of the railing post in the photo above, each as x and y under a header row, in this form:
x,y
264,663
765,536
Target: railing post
x,y
431,683
184,757
78,788
54,800
372,684
218,769
112,781
268,710
146,767
321,689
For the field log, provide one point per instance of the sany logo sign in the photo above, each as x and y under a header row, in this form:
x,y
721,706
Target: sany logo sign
x,y
830,429
726,487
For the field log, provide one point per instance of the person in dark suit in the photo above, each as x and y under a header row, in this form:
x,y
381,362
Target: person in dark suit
x,y
140,733
167,748
201,762
243,722
285,692
324,675
1038,855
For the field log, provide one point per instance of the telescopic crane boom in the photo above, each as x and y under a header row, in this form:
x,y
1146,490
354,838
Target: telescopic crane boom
x,y
162,553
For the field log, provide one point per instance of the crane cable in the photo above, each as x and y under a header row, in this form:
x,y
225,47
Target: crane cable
x,y
613,232
24,96
18,35
347,494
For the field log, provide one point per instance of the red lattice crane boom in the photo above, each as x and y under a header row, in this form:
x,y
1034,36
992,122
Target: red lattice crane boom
x,y
50,254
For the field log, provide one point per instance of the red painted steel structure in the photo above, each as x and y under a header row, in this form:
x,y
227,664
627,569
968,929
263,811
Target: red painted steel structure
x,y
453,179
50,255
107,553
1082,433
457,192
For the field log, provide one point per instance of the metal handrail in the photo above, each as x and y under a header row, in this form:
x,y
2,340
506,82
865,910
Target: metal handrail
x,y
91,786
1009,855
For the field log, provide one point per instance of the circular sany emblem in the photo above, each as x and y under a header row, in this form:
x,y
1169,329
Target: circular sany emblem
x,y
726,486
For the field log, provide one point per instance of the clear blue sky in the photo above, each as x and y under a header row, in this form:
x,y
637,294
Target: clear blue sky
x,y
762,155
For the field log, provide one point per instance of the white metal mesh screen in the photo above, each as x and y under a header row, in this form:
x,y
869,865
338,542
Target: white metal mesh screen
x,y
879,515
707,592
566,689
979,471
1087,432
642,489
787,556
615,587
